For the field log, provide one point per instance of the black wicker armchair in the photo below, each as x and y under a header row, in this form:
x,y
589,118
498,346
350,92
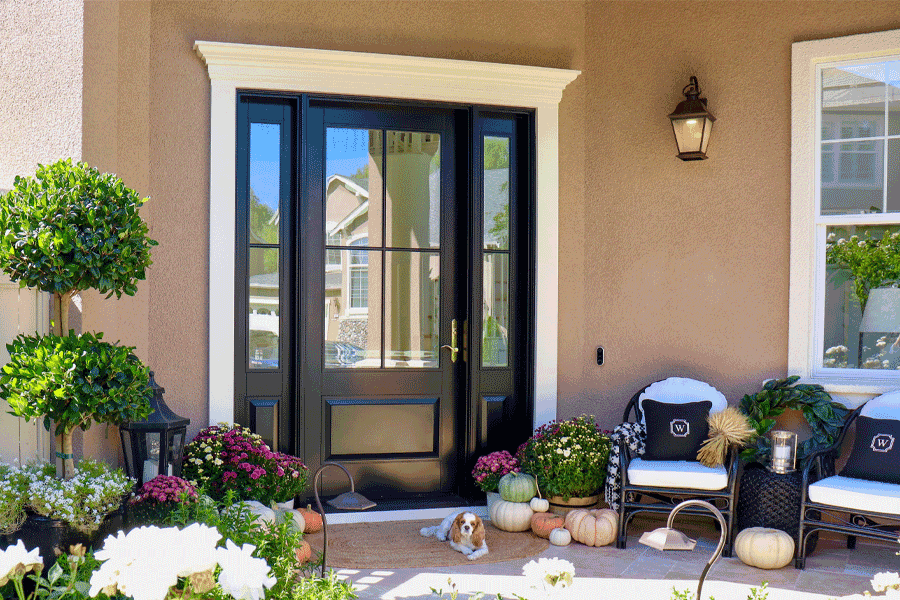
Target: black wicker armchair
x,y
657,486
854,506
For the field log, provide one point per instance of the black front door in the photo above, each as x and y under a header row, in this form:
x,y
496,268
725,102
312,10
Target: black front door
x,y
388,287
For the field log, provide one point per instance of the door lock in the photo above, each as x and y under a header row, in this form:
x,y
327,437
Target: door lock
x,y
453,346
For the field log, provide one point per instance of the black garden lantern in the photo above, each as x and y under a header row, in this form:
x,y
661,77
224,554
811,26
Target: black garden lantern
x,y
155,445
692,123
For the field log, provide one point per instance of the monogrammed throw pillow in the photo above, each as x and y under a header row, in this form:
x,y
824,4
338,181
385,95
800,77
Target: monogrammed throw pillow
x,y
675,431
876,451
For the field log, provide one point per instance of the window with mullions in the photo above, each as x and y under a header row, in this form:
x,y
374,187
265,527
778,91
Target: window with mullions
x,y
857,218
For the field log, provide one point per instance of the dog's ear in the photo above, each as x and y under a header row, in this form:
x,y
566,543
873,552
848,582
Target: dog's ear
x,y
478,533
455,533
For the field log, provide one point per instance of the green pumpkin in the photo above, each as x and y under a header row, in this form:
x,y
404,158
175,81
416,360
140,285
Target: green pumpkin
x,y
517,487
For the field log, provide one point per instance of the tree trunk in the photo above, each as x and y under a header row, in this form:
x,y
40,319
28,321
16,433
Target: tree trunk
x,y
68,455
63,300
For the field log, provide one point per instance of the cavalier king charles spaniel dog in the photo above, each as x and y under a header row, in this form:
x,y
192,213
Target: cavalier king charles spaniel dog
x,y
465,531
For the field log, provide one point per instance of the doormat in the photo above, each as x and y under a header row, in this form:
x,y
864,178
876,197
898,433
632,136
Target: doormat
x,y
398,544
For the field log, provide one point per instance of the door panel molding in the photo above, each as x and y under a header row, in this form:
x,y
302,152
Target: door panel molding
x,y
232,67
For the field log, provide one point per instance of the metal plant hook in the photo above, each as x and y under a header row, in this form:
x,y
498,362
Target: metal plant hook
x,y
347,501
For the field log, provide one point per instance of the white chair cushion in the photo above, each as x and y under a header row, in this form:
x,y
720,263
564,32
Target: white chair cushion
x,y
679,474
885,406
859,494
679,390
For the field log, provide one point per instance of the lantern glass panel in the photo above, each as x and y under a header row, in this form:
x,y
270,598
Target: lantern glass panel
x,y
176,449
689,134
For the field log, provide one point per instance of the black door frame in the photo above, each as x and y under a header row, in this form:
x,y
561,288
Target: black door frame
x,y
279,416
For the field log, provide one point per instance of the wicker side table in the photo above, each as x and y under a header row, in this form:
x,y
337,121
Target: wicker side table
x,y
768,499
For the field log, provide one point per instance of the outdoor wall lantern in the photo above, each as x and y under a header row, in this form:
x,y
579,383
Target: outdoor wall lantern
x,y
155,445
666,538
784,452
347,501
692,123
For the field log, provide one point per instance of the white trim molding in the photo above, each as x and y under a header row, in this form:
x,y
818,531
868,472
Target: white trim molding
x,y
804,356
242,66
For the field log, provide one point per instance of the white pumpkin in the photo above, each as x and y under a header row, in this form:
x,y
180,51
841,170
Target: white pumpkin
x,y
560,537
764,548
593,527
262,514
511,516
291,515
539,504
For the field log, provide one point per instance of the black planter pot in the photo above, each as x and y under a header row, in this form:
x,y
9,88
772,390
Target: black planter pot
x,y
54,536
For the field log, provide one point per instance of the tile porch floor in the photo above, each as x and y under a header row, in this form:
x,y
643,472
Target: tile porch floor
x,y
641,573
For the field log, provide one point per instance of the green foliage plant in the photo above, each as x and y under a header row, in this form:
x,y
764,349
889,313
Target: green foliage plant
x,y
73,381
825,416
872,262
568,458
71,228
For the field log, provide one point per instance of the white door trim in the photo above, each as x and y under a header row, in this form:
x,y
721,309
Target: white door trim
x,y
243,66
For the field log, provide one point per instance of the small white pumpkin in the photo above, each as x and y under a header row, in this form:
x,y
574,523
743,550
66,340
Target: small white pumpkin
x,y
511,516
291,515
539,504
517,487
764,548
560,537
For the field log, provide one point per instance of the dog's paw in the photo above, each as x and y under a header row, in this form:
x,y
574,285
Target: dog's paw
x,y
473,556
440,536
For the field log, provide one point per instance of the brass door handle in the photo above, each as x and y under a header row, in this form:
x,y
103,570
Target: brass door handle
x,y
453,346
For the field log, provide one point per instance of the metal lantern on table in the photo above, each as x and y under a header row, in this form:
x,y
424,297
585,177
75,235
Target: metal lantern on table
x,y
155,445
784,452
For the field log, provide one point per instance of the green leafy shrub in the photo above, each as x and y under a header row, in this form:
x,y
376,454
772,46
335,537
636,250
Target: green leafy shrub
x,y
73,381
873,262
71,228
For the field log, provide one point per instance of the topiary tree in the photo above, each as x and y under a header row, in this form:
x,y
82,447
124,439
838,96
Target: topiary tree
x,y
71,228
73,381
67,229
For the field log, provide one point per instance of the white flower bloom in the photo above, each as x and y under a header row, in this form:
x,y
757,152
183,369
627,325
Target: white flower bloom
x,y
17,555
243,576
549,573
882,581
195,552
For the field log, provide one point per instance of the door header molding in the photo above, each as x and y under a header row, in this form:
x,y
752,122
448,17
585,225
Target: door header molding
x,y
244,66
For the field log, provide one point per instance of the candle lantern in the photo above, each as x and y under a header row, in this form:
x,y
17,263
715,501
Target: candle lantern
x,y
784,452
155,445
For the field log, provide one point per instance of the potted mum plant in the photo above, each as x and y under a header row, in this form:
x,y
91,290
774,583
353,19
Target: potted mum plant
x,y
67,229
488,471
568,459
230,457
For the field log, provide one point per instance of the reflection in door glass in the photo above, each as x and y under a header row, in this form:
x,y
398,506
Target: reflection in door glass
x,y
413,181
496,193
495,310
352,186
353,310
412,295
265,182
264,308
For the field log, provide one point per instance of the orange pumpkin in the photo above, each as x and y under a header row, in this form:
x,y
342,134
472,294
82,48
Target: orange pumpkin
x,y
543,523
313,519
304,552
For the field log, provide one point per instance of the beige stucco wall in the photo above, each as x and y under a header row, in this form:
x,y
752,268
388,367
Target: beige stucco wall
x,y
40,84
675,268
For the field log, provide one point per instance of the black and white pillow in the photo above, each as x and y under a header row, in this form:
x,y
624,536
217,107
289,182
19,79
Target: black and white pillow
x,y
876,451
675,431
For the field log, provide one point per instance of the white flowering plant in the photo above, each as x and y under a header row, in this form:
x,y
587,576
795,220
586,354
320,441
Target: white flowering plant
x,y
568,458
12,499
549,574
83,501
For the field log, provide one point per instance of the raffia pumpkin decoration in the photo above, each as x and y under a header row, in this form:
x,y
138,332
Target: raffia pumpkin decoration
x,y
543,523
593,527
764,548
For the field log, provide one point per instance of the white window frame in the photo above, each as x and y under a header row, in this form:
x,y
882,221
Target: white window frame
x,y
352,268
332,239
244,66
807,284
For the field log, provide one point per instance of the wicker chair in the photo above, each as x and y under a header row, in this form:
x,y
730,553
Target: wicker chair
x,y
658,486
849,501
